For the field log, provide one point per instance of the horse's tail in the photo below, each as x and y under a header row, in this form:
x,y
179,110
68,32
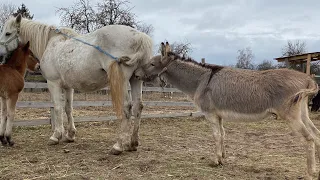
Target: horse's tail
x,y
142,46
116,81
312,89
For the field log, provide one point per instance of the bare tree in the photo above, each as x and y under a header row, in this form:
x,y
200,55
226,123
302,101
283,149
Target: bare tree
x,y
6,9
265,65
244,59
146,28
181,48
79,16
115,12
85,18
294,48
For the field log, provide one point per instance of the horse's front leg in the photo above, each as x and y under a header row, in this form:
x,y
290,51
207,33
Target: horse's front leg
x,y
3,123
71,131
11,107
136,92
125,125
56,96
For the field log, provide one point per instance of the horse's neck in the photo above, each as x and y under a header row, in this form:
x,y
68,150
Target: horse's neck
x,y
186,76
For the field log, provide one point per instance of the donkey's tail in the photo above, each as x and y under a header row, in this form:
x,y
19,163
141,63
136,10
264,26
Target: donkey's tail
x,y
116,79
312,89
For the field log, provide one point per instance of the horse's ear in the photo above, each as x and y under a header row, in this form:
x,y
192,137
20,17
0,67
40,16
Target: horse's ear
x,y
162,49
18,18
26,46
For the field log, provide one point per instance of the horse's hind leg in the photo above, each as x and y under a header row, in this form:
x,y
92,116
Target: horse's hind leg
x,y
296,123
136,92
215,123
125,125
11,107
71,131
3,123
56,96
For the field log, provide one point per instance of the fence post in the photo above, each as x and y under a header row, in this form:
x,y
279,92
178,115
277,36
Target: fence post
x,y
203,60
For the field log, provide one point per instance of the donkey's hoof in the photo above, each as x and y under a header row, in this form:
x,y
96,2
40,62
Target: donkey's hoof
x,y
130,148
115,152
216,164
11,143
3,140
67,139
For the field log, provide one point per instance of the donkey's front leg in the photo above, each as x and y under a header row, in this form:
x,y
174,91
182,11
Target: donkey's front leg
x,y
125,126
215,122
3,123
56,96
71,131
136,92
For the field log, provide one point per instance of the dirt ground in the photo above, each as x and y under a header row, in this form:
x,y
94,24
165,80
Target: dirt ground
x,y
170,148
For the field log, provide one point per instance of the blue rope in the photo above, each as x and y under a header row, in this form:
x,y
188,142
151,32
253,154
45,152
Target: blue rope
x,y
96,47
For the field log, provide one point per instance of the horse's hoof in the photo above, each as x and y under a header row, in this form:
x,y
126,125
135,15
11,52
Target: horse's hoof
x,y
52,142
114,152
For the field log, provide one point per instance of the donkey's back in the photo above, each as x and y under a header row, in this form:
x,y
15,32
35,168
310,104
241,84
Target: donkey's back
x,y
238,92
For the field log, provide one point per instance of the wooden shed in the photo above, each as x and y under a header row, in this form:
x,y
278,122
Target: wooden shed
x,y
301,59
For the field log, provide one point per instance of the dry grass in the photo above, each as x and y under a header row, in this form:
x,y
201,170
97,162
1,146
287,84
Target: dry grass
x,y
171,148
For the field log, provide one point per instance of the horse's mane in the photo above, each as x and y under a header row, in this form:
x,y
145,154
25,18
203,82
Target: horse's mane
x,y
37,33
190,60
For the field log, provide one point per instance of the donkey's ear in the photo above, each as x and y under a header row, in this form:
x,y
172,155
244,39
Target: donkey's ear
x,y
26,46
168,48
162,49
18,18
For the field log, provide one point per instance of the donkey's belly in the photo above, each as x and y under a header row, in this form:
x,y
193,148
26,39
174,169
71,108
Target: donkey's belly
x,y
235,116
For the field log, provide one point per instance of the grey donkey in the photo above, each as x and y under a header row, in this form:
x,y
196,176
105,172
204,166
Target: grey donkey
x,y
225,93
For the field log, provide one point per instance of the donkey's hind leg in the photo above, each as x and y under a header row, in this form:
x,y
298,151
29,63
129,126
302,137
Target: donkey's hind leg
x,y
71,131
296,123
3,123
311,127
215,123
11,107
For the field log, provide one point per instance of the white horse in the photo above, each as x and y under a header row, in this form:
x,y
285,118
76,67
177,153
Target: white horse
x,y
69,64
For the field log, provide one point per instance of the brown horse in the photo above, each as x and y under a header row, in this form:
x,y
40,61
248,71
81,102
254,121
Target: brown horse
x,y
11,84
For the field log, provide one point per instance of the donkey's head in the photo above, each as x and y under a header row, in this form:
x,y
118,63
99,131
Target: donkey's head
x,y
157,64
9,38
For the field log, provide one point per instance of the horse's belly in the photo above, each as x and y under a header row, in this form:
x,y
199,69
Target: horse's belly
x,y
86,82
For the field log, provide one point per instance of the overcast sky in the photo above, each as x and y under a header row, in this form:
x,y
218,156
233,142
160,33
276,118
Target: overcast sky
x,y
217,28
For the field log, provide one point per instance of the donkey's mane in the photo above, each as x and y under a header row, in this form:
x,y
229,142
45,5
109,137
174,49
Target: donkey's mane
x,y
37,33
212,67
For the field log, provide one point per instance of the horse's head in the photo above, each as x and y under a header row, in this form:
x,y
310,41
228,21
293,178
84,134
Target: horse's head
x,y
9,37
156,65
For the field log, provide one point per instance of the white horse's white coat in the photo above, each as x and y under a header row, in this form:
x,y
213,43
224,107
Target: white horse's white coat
x,y
68,64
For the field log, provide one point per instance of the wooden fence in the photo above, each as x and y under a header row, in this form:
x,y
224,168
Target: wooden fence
x,y
46,104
